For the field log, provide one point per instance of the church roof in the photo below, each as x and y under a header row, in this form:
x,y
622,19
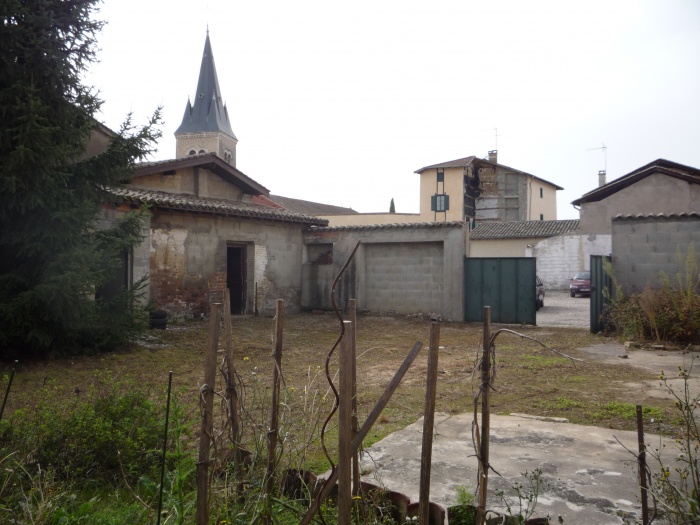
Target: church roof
x,y
209,113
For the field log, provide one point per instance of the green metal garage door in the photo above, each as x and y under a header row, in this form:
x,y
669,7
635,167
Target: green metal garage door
x,y
601,289
506,284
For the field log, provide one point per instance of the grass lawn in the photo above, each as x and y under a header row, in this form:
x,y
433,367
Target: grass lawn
x,y
529,379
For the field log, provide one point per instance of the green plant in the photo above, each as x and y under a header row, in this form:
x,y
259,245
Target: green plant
x,y
671,313
465,496
59,258
625,411
675,487
527,494
99,436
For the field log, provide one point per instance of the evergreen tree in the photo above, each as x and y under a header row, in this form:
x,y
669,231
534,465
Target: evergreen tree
x,y
54,253
392,208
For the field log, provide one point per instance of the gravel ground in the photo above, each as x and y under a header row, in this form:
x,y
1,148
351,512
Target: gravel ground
x,y
560,309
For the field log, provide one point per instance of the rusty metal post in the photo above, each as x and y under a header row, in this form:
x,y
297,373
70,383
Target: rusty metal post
x,y
345,451
352,314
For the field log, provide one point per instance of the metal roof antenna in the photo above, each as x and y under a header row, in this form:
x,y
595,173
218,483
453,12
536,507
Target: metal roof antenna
x,y
602,173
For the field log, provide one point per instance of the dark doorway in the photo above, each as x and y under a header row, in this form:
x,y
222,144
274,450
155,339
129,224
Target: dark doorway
x,y
119,282
236,278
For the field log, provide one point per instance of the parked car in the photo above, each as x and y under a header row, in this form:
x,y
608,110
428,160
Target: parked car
x,y
580,284
539,293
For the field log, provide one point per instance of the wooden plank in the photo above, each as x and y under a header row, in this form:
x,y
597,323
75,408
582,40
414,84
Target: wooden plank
x,y
362,433
273,431
231,393
428,424
642,462
206,429
345,454
485,416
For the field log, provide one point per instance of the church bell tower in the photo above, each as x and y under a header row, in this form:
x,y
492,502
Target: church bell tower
x,y
205,126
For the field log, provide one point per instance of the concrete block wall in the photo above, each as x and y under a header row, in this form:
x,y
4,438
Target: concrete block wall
x,y
559,258
406,269
644,247
405,278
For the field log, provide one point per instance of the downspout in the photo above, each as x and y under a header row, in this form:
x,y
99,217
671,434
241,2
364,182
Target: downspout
x,y
529,206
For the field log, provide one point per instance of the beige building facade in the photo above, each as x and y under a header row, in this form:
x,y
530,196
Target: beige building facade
x,y
473,190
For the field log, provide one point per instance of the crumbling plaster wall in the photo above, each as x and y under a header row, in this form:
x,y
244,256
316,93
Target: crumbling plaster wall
x,y
188,258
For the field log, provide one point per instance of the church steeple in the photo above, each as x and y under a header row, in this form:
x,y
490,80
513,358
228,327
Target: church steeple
x,y
205,126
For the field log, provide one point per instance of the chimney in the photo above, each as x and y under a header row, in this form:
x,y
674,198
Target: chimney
x,y
601,178
493,156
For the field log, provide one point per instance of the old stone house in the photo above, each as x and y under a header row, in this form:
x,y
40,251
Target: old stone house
x,y
212,227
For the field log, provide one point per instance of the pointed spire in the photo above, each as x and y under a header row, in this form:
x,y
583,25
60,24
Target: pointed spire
x,y
208,112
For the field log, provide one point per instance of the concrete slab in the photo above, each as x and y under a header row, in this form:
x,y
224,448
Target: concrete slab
x,y
590,477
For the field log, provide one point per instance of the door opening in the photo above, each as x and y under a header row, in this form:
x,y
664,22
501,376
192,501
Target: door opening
x,y
236,278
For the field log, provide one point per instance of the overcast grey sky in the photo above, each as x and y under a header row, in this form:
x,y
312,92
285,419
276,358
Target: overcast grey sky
x,y
341,101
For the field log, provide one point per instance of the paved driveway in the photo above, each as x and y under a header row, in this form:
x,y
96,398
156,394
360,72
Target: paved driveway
x,y
560,309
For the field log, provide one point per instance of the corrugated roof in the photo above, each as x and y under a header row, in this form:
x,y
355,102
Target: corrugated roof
x,y
177,201
395,226
311,208
522,229
472,159
663,166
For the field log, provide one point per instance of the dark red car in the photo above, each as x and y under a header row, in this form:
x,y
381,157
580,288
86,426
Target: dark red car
x,y
580,284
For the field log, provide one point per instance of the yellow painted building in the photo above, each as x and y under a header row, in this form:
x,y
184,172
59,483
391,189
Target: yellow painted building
x,y
474,190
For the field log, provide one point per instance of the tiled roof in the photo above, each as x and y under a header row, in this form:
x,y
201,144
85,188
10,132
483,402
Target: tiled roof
x,y
174,201
311,208
663,166
690,215
458,163
466,161
209,161
397,226
522,229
